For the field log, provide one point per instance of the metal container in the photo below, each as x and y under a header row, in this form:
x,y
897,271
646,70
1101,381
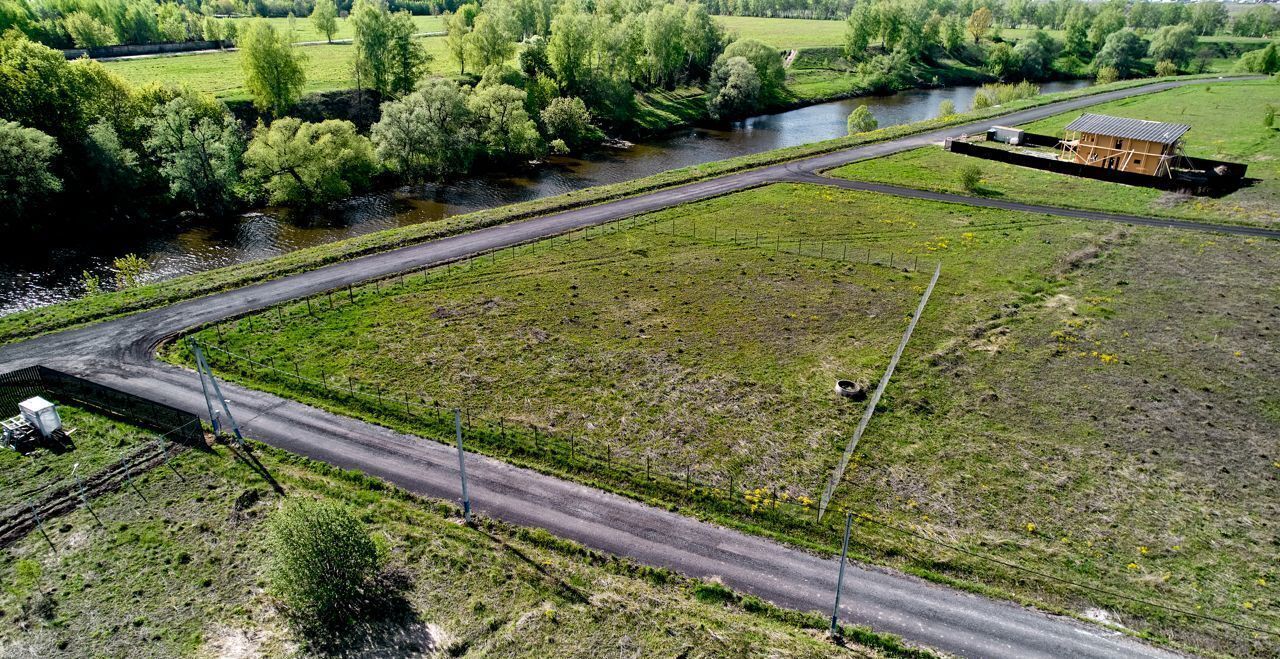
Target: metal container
x,y
1005,134
41,415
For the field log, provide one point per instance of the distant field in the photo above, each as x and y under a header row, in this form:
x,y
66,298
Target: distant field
x,y
304,30
786,32
1226,120
327,67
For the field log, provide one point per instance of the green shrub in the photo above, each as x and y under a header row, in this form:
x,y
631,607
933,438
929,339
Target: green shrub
x,y
324,567
1107,75
970,177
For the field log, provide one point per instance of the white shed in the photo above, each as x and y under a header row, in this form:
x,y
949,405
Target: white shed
x,y
41,415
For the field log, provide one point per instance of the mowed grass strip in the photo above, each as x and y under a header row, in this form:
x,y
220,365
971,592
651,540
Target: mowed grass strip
x,y
327,67
1226,124
1089,400
179,566
786,32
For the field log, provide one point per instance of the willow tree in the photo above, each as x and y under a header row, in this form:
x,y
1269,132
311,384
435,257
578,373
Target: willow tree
x,y
272,68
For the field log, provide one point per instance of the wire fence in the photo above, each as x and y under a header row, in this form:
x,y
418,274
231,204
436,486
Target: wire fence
x,y
718,492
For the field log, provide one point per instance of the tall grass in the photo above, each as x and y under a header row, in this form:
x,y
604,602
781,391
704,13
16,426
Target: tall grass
x,y
999,93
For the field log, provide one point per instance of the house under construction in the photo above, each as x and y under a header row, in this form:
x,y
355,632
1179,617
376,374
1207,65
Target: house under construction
x,y
1129,151
1138,146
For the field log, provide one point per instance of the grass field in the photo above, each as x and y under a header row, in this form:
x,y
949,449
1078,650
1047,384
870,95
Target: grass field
x,y
786,32
178,566
1093,401
96,442
327,67
1226,121
304,30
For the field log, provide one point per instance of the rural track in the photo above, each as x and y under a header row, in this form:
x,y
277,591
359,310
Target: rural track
x,y
120,353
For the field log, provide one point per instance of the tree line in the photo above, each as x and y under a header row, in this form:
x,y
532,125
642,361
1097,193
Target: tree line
x,y
88,151
1205,17
888,37
96,23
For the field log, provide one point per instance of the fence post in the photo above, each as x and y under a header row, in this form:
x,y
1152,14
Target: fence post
x,y
844,551
351,294
462,467
309,313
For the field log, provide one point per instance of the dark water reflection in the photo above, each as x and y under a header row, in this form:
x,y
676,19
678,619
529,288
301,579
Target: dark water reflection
x,y
53,275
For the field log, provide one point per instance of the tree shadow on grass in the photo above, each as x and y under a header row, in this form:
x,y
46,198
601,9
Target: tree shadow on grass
x,y
984,191
564,589
383,625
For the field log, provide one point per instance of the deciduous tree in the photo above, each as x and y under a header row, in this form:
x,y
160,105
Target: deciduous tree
x,y
734,88
300,163
325,18
427,133
26,178
273,72
199,156
980,22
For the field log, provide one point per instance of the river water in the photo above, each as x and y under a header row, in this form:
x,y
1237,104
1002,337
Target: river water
x,y
53,275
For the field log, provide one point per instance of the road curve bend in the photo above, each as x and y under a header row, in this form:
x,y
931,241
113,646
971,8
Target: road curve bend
x,y
119,353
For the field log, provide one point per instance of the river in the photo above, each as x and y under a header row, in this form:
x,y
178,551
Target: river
x,y
53,275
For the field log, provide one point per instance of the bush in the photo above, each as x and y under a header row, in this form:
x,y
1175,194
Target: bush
x,y
324,567
970,177
1107,75
946,109
1165,68
861,121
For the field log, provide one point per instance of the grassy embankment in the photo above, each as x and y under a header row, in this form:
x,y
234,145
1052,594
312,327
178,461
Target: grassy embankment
x,y
88,309
1226,124
1091,401
178,566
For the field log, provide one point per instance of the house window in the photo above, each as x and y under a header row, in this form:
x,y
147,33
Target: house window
x,y
1137,161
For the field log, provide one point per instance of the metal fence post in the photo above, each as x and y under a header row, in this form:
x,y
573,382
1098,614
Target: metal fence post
x,y
844,551
462,466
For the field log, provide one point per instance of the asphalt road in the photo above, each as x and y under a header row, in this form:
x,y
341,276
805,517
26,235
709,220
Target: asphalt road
x,y
119,353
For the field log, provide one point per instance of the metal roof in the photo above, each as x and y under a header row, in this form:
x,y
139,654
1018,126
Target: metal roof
x,y
1133,129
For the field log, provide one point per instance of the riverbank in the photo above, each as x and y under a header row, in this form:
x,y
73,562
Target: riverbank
x,y
106,305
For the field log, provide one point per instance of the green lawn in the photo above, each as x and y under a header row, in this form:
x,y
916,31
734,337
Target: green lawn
x,y
178,566
1093,401
328,67
786,32
1226,120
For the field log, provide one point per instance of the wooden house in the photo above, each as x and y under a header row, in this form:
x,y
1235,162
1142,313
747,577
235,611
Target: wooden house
x,y
1129,145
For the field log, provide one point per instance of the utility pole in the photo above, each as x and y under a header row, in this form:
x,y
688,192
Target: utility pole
x,y
462,466
202,366
844,551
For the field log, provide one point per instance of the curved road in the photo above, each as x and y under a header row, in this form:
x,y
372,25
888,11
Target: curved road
x,y
119,353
